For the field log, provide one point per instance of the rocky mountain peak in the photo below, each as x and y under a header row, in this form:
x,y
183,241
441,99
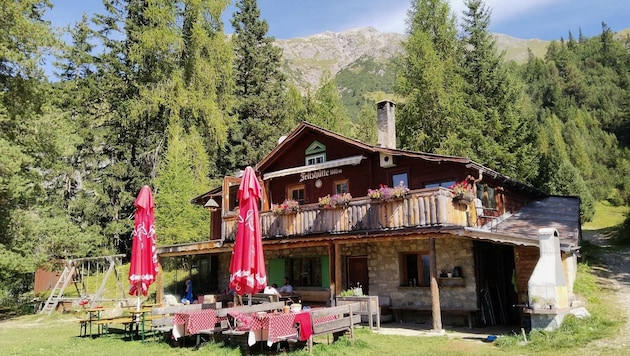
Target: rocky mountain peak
x,y
309,59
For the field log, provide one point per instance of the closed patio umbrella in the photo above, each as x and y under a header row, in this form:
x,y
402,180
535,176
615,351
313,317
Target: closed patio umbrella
x,y
247,266
144,267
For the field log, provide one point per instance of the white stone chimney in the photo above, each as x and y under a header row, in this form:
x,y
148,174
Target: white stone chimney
x,y
386,123
548,285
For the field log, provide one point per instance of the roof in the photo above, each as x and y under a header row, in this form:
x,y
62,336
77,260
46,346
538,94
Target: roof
x,y
559,213
285,145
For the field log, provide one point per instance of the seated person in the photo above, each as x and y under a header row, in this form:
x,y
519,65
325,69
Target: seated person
x,y
271,290
188,293
286,287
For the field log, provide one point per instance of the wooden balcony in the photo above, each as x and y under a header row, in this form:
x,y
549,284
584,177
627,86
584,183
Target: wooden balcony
x,y
420,208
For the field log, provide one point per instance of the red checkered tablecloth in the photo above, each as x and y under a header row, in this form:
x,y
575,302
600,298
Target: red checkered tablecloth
x,y
196,320
278,327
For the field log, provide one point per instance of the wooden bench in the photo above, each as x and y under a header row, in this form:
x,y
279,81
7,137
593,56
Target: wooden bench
x,y
468,312
318,297
335,320
250,308
126,321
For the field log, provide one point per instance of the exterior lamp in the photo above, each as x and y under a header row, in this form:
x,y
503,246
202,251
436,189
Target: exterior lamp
x,y
211,205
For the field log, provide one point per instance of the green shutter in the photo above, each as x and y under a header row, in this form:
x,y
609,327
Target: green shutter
x,y
325,272
276,271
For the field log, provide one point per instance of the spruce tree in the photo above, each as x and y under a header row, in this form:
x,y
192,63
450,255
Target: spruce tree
x,y
428,78
262,117
500,133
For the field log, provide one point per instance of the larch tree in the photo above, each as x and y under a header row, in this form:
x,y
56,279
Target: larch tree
x,y
162,61
34,136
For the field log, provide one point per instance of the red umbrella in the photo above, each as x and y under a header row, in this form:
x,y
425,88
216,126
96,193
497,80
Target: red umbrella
x,y
143,268
247,267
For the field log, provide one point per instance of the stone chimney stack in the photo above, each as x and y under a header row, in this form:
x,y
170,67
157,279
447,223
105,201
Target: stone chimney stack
x,y
386,124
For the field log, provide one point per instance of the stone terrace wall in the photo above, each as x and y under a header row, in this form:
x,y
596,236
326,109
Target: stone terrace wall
x,y
383,267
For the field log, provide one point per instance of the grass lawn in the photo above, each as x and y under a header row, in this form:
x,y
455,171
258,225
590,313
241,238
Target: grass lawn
x,y
58,334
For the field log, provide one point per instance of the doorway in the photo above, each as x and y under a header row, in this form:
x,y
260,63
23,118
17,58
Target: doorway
x,y
358,273
495,269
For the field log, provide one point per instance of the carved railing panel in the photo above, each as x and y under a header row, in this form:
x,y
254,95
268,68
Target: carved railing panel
x,y
425,207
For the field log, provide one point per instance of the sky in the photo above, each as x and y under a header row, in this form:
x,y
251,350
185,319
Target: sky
x,y
542,19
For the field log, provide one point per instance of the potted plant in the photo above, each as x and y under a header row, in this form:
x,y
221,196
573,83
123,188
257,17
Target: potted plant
x,y
463,190
287,207
535,302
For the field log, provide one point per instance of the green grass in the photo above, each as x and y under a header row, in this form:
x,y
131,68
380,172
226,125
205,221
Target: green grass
x,y
606,217
58,334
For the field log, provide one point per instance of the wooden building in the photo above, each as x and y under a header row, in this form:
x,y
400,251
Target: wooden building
x,y
425,249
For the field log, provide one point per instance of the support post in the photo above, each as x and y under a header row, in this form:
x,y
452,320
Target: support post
x,y
338,278
435,290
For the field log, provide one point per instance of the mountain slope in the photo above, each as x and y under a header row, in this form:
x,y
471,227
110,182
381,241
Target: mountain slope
x,y
309,59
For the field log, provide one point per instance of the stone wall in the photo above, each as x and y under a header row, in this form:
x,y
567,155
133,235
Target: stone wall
x,y
384,266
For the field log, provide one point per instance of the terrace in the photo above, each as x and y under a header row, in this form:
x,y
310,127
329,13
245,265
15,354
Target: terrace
x,y
419,208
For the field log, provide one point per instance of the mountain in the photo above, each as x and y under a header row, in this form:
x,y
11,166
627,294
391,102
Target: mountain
x,y
309,59
366,52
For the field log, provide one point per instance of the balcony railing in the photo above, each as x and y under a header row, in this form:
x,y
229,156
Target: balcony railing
x,y
419,208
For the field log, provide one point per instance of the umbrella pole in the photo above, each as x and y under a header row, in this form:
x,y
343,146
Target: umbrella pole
x,y
249,299
138,299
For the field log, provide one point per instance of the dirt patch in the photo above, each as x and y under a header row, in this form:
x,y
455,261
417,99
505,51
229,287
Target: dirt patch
x,y
612,267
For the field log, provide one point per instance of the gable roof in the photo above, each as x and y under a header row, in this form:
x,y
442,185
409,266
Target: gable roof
x,y
303,127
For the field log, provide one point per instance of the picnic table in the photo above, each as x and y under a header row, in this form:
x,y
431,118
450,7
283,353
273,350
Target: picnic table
x,y
263,326
196,322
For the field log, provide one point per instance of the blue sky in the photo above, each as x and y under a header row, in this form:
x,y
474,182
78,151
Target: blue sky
x,y
544,19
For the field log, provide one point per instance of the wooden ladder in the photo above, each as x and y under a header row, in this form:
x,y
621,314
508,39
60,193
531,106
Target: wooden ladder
x,y
55,295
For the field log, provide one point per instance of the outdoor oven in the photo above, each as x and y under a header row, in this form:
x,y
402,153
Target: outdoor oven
x,y
548,288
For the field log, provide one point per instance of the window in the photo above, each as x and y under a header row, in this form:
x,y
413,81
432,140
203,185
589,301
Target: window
x,y
296,192
487,196
398,178
341,186
315,159
305,271
414,269
445,184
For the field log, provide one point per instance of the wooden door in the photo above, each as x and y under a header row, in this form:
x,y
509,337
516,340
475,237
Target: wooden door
x,y
358,273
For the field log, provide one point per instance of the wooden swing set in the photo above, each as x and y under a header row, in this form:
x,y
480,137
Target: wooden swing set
x,y
76,272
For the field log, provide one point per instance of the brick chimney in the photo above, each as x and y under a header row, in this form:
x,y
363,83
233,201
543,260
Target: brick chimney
x,y
386,124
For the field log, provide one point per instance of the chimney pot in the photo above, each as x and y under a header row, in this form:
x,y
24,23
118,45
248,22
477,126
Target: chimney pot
x,y
386,122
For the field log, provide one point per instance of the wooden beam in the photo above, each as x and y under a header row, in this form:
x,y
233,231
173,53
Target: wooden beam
x,y
332,266
338,268
159,293
435,290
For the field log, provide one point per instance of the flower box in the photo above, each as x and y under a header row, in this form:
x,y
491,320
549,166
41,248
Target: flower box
x,y
289,206
335,201
388,193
